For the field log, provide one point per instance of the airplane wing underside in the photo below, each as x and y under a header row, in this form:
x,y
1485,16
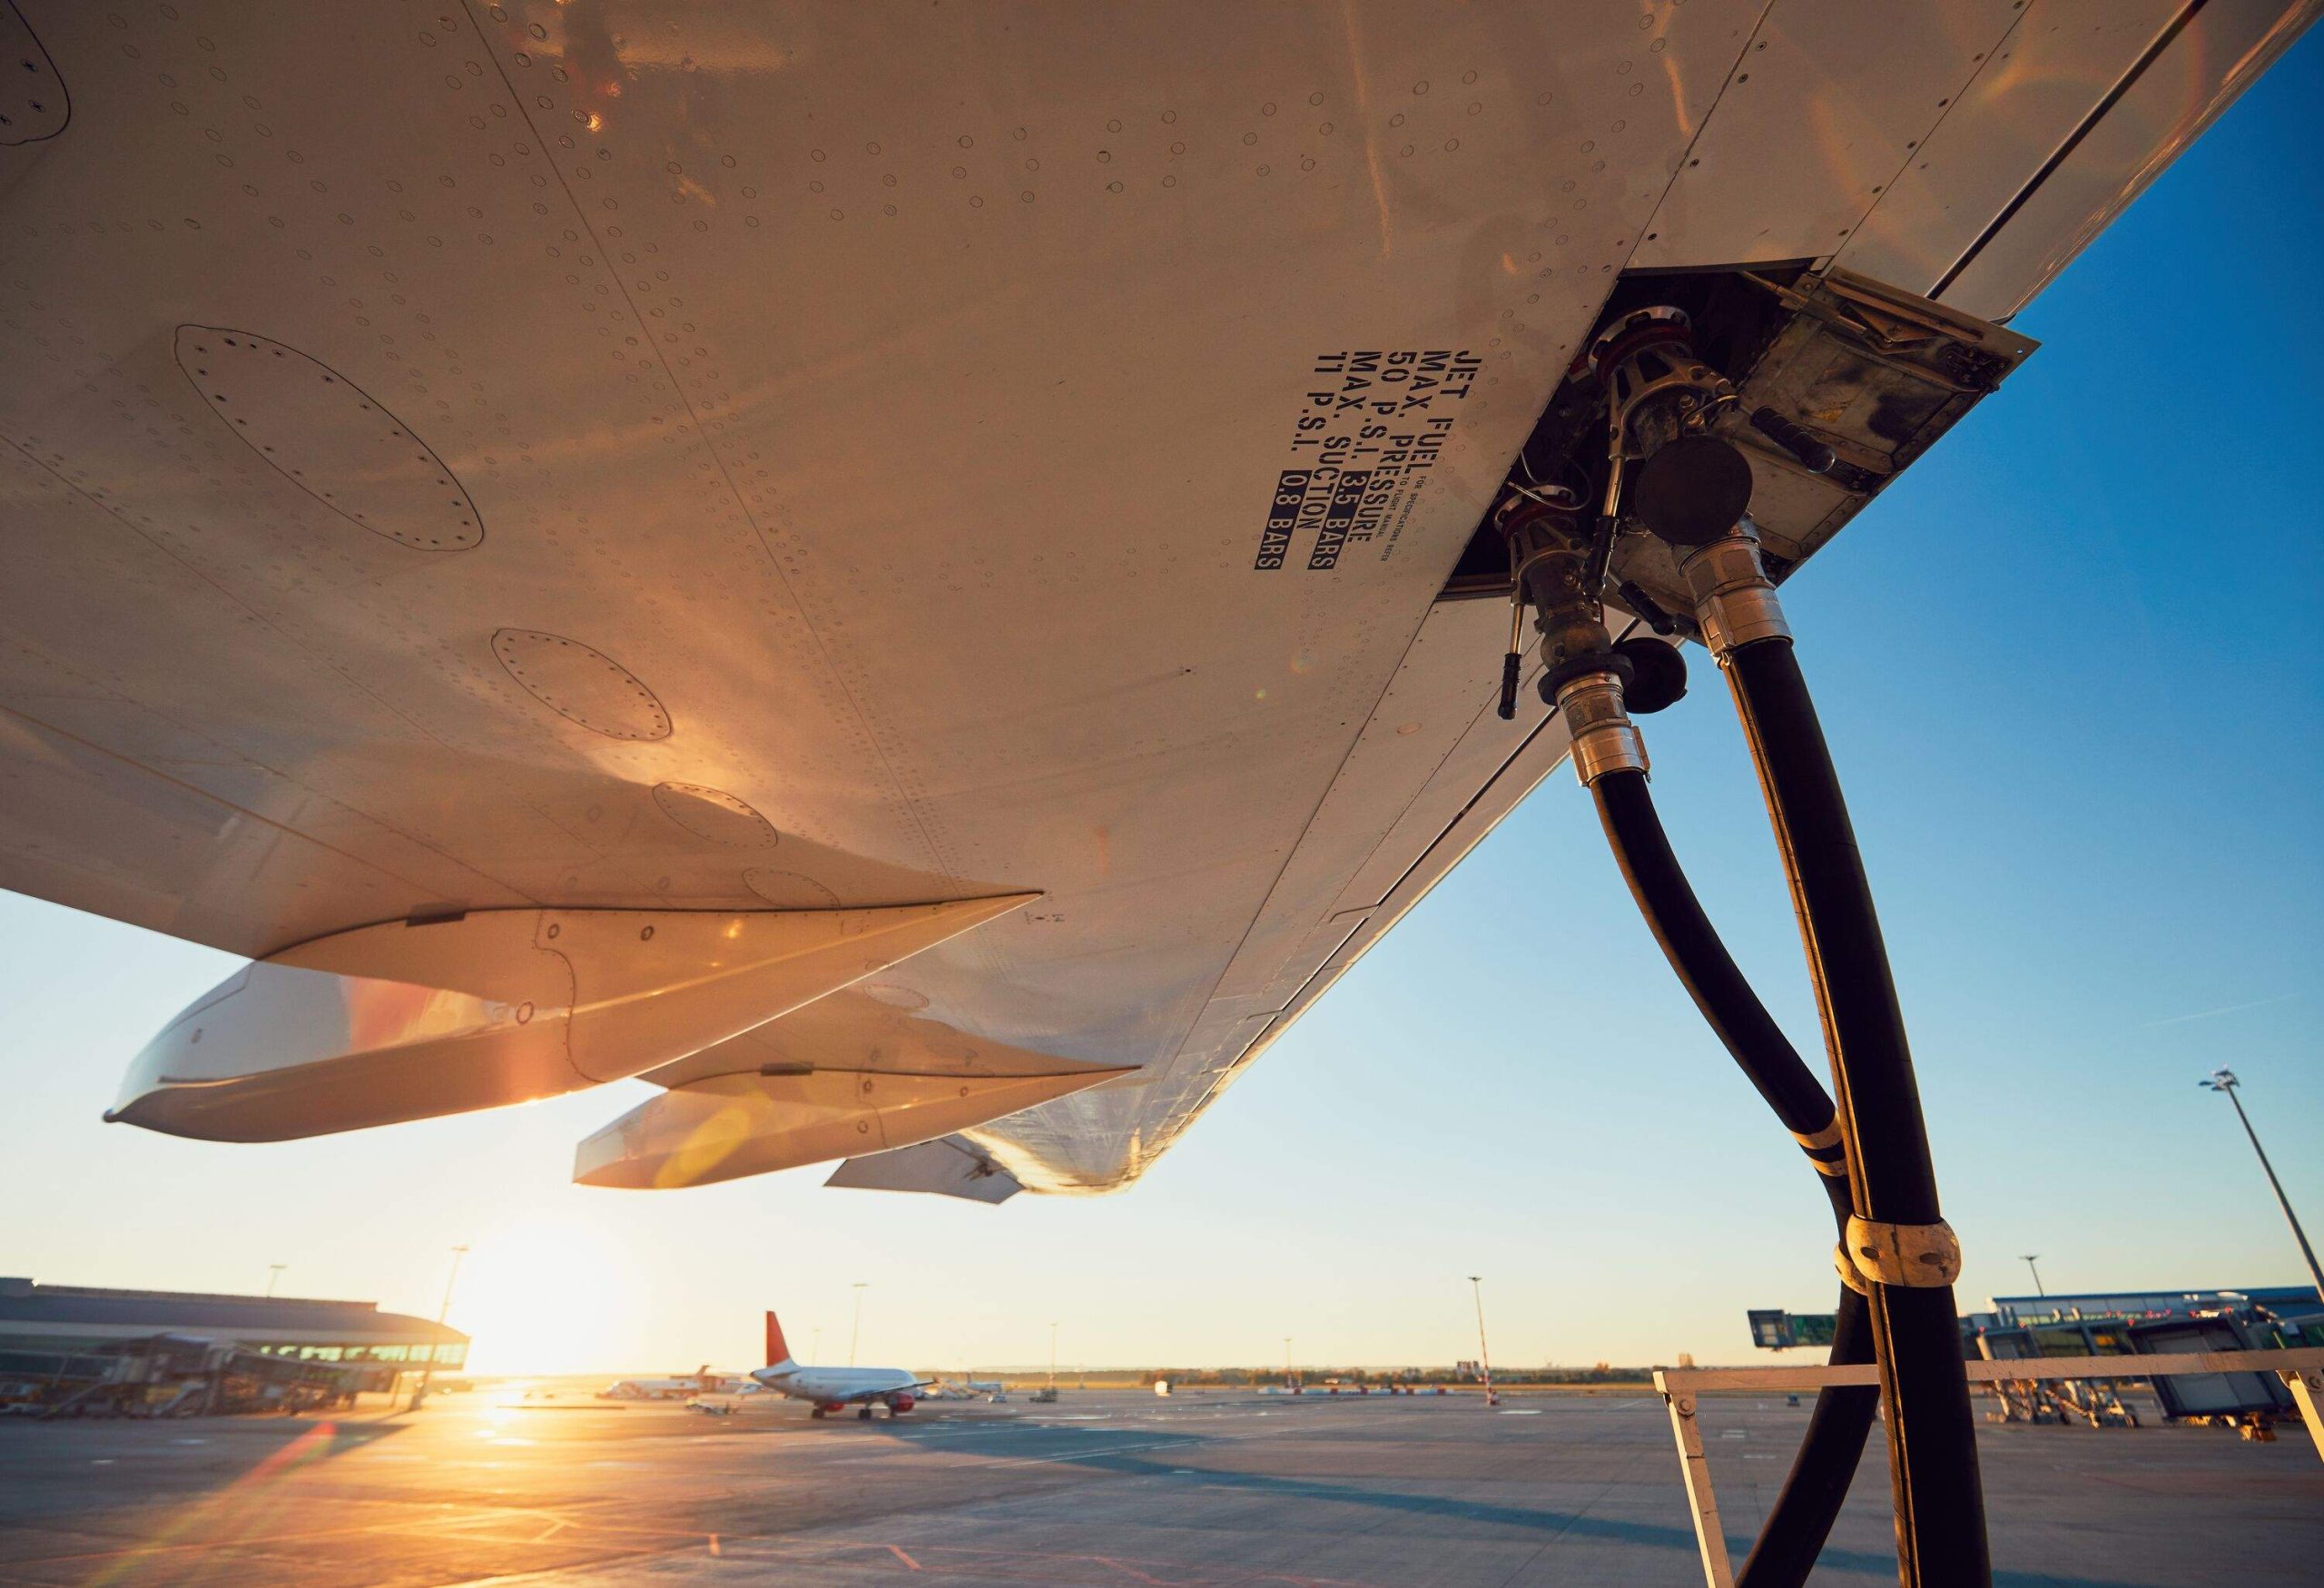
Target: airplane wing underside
x,y
464,458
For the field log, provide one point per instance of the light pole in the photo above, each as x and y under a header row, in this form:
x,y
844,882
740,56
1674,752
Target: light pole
x,y
2027,1258
1287,1361
425,1373
857,1334
1484,1357
274,1272
2224,1080
1053,1356
816,1347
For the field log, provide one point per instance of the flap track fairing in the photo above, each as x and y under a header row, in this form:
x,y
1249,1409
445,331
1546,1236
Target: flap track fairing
x,y
725,1127
408,1021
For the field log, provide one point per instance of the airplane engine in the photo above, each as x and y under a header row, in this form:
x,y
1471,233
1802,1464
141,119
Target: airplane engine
x,y
898,1404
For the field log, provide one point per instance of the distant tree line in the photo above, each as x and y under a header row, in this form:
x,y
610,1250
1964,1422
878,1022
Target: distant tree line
x,y
1244,1378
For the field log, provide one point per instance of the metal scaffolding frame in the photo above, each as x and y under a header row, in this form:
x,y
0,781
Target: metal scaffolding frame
x,y
2303,1371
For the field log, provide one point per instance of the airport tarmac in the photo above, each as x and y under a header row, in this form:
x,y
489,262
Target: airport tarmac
x,y
1108,1488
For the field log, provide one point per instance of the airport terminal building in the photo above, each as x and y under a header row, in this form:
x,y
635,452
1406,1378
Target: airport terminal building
x,y
2282,1301
71,1318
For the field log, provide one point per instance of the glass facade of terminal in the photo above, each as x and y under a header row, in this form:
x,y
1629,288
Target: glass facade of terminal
x,y
451,1353
301,1329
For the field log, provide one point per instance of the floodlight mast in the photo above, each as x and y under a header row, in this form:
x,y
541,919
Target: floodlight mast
x,y
419,1395
1484,1356
2224,1080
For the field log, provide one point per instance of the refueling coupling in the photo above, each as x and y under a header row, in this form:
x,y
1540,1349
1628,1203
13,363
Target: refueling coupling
x,y
1691,488
1735,601
1604,739
1683,483
1547,531
1583,674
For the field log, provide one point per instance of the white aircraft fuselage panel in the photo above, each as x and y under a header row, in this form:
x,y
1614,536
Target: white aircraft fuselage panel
x,y
830,1386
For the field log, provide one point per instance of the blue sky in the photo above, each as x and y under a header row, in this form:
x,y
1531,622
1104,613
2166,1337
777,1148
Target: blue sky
x,y
2066,668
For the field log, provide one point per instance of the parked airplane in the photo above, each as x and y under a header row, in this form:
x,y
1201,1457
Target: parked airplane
x,y
966,1389
834,1389
678,1386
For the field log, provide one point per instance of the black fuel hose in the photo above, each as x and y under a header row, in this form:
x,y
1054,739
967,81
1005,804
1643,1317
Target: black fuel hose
x,y
1802,1517
1816,1488
1708,971
1932,1438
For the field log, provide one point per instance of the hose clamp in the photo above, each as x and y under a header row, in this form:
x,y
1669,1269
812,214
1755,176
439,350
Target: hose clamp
x,y
1735,601
1604,739
1915,1256
1825,1149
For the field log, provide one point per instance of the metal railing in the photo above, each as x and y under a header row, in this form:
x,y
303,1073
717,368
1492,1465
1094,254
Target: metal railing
x,y
2301,1370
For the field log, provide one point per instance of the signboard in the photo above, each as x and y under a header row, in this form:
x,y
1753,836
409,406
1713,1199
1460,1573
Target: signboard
x,y
1773,1329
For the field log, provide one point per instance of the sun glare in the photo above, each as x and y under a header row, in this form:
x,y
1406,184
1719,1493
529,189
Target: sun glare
x,y
545,1294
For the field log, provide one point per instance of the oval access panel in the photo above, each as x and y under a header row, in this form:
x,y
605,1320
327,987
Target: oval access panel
x,y
895,996
715,815
32,102
581,685
789,889
329,438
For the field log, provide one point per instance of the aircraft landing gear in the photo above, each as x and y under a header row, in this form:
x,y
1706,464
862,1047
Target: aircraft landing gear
x,y
863,1413
817,1412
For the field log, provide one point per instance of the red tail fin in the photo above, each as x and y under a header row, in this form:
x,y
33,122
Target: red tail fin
x,y
776,1351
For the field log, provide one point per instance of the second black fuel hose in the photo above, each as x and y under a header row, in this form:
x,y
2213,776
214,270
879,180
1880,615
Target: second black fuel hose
x,y
1708,972
1802,1517
1932,1436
